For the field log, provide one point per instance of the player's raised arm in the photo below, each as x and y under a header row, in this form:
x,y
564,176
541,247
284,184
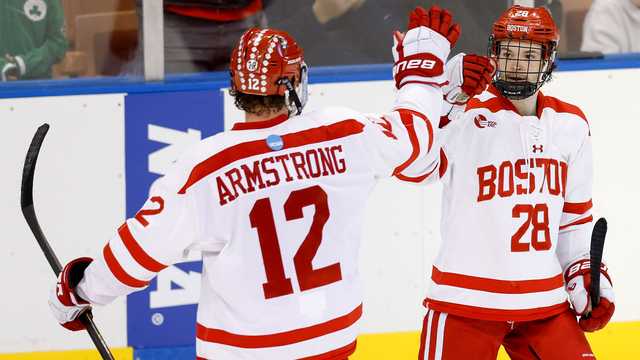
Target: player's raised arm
x,y
401,141
154,238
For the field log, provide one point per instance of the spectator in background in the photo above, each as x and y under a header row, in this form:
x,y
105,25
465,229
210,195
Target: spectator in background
x,y
612,26
200,34
31,38
345,32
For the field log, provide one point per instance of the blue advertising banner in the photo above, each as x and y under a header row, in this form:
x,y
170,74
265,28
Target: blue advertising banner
x,y
158,128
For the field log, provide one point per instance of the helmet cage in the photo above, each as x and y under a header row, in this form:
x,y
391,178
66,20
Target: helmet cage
x,y
522,68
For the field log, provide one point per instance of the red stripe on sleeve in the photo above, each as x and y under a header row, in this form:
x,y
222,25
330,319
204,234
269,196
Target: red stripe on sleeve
x,y
577,208
118,271
444,164
427,122
588,219
406,116
416,179
137,252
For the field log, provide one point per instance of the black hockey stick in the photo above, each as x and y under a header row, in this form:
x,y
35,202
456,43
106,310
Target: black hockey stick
x,y
26,202
597,246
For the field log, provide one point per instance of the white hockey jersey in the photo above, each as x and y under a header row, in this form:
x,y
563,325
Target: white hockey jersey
x,y
277,209
515,209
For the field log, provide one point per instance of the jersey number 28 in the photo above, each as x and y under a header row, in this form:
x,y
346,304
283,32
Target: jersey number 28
x,y
261,217
538,219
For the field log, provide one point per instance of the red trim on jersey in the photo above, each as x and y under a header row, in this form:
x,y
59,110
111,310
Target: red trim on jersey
x,y
444,163
422,82
406,117
258,147
117,270
496,286
260,124
137,252
337,354
494,104
588,219
417,179
407,120
427,122
558,106
216,14
477,312
278,339
577,208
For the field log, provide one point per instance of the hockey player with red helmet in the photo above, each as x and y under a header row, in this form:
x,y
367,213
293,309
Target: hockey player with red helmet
x,y
516,167
276,205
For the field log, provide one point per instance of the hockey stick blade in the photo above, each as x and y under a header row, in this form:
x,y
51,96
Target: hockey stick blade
x,y
597,246
28,210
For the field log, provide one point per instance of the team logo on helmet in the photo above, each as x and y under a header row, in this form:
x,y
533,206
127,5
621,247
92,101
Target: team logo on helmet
x,y
275,142
252,65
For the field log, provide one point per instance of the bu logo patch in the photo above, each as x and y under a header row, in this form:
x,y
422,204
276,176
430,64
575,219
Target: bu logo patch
x,y
275,142
482,122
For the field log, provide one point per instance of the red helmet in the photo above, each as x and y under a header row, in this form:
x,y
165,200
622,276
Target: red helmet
x,y
525,23
269,62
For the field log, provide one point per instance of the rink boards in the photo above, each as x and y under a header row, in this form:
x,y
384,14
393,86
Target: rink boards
x,y
105,150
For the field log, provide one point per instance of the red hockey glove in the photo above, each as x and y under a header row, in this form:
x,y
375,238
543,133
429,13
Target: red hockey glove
x,y
468,75
438,20
577,281
419,55
65,304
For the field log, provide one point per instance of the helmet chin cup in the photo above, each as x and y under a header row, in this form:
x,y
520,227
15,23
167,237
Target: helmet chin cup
x,y
516,90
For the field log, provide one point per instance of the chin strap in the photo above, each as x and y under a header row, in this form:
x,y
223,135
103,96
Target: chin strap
x,y
516,91
292,95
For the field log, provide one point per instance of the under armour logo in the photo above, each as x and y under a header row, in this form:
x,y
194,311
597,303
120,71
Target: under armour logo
x,y
537,148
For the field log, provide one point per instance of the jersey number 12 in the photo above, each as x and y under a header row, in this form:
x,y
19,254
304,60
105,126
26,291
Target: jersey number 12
x,y
261,217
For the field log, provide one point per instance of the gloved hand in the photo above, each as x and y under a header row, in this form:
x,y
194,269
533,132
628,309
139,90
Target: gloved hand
x,y
65,304
577,278
468,75
419,55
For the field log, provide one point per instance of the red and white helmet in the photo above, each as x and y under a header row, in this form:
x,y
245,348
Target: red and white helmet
x,y
525,23
270,62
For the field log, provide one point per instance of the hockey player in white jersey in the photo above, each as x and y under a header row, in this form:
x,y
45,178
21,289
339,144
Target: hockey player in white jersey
x,y
516,213
276,205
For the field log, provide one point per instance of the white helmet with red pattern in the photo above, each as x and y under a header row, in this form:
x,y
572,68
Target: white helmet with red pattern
x,y
270,62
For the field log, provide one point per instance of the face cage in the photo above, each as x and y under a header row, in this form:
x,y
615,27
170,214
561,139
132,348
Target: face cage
x,y
521,89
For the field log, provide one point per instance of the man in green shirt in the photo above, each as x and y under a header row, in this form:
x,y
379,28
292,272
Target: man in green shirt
x,y
31,38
